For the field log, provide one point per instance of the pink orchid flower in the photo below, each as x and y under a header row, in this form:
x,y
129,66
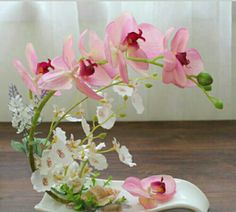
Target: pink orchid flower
x,y
179,61
124,37
67,70
37,68
151,190
103,73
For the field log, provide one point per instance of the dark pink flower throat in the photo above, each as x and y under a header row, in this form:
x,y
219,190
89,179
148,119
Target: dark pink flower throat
x,y
182,58
87,70
43,67
132,38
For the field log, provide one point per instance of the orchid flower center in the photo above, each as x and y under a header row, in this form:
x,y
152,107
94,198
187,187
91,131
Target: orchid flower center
x,y
158,187
182,58
132,38
43,67
87,70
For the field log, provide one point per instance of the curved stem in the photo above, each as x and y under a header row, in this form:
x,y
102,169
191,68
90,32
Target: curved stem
x,y
33,128
144,60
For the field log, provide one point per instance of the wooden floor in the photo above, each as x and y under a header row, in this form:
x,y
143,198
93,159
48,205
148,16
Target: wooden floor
x,y
201,152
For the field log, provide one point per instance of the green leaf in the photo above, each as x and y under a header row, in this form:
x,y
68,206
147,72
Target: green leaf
x,y
121,200
18,146
108,181
148,85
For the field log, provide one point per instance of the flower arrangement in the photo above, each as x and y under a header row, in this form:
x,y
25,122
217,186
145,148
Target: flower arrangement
x,y
66,167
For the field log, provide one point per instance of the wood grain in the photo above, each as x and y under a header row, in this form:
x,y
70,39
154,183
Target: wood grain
x,y
201,152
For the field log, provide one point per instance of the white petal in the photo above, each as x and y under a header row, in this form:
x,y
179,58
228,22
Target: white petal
x,y
125,157
137,102
40,182
98,161
103,114
59,134
100,146
72,119
85,126
123,90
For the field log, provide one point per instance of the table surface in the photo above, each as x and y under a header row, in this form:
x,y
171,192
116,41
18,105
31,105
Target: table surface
x,y
201,152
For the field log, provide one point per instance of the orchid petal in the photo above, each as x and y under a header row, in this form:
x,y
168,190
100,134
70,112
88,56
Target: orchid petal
x,y
59,63
137,53
68,53
170,186
82,48
153,45
56,80
180,40
123,68
31,57
84,88
167,37
99,78
137,102
25,77
133,186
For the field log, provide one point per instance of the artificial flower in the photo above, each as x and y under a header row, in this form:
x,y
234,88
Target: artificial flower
x,y
103,73
37,68
67,70
125,38
123,153
151,190
131,91
179,61
98,161
41,182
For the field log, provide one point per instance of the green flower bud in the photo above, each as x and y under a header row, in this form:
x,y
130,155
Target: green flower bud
x,y
125,97
122,115
204,79
218,103
148,85
102,135
207,88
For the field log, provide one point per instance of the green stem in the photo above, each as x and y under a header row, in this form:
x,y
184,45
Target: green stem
x,y
33,128
75,105
144,60
202,88
82,168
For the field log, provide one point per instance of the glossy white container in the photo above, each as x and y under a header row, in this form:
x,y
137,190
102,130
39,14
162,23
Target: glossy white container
x,y
188,196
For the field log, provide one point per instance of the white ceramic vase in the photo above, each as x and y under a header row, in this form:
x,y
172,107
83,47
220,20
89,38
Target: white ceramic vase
x,y
188,196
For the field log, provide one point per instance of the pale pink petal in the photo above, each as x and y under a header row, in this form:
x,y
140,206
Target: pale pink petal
x,y
137,53
96,46
82,47
167,37
180,76
111,52
153,46
56,80
59,63
112,72
68,53
180,40
195,66
84,88
133,186
169,67
148,203
26,77
123,68
99,78
31,57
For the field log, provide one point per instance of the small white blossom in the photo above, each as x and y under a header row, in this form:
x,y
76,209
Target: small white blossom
x,y
98,161
123,153
40,182
105,116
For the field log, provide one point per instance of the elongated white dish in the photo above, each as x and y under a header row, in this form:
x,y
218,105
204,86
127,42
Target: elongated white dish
x,y
188,196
